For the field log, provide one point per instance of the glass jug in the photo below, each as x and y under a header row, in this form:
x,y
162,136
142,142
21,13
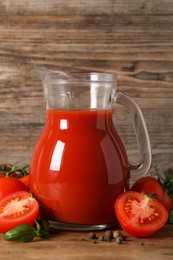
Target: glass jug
x,y
79,165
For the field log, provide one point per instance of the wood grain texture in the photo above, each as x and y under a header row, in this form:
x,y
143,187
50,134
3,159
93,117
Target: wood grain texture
x,y
131,38
77,245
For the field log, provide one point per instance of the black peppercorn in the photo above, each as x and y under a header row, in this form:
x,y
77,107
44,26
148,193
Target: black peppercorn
x,y
119,240
108,235
101,238
92,235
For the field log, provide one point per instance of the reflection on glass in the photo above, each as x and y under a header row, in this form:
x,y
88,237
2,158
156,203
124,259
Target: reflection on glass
x,y
93,90
93,95
57,156
113,169
63,124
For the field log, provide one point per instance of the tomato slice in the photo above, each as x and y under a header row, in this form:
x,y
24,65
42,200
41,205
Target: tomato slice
x,y
139,215
16,209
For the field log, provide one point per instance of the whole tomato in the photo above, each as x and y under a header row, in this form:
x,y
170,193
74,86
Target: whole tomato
x,y
25,180
13,171
148,185
10,185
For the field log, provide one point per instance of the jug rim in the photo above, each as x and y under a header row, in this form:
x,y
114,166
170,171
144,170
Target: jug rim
x,y
56,75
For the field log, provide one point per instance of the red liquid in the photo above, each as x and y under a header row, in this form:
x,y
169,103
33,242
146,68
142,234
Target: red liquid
x,y
79,166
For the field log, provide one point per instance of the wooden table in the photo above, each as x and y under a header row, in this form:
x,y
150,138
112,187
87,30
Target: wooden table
x,y
77,245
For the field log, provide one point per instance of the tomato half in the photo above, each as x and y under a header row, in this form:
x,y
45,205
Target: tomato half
x,y
139,215
9,185
16,209
149,184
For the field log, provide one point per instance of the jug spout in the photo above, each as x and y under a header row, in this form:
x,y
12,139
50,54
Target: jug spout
x,y
39,72
45,74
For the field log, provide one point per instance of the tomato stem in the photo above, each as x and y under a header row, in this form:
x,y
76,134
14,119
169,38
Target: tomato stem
x,y
11,170
151,195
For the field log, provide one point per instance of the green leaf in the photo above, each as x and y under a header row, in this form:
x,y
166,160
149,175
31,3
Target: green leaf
x,y
42,228
22,233
43,233
171,217
46,225
38,226
168,184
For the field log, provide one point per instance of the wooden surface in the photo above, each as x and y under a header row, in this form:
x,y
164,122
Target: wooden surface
x,y
131,38
76,245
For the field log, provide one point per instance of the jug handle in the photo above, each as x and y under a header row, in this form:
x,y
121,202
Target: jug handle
x,y
141,133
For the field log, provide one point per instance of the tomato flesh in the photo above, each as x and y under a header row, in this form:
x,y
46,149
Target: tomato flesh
x,y
16,209
148,185
139,215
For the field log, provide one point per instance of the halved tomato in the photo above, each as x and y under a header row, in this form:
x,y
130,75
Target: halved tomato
x,y
140,215
16,209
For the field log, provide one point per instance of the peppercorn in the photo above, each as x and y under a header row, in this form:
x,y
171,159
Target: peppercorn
x,y
92,235
101,238
116,233
119,240
108,235
123,237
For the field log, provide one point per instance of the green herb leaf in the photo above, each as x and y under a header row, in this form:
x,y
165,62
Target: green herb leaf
x,y
168,185
42,228
22,233
38,226
43,233
170,220
46,224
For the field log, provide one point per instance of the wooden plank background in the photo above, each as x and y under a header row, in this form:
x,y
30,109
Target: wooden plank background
x,y
131,38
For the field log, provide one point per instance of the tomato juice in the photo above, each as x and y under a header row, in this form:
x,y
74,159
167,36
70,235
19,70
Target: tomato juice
x,y
79,166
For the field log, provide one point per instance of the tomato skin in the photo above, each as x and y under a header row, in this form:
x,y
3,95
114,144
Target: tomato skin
x,y
25,180
149,184
24,210
9,185
139,215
